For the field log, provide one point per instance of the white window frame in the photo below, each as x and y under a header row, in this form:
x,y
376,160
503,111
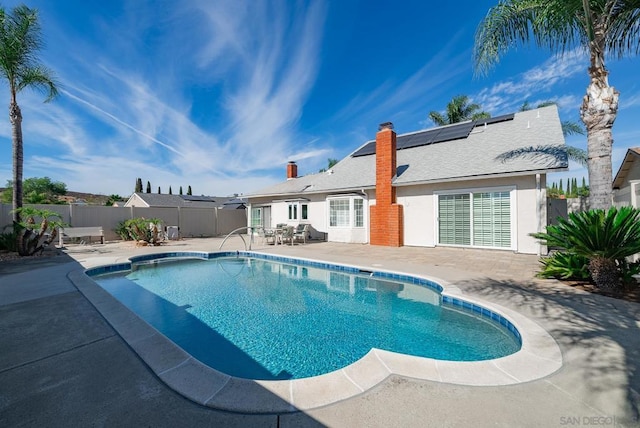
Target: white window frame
x,y
261,211
296,208
512,207
352,216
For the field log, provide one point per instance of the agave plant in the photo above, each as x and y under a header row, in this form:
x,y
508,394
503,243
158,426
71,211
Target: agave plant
x,y
605,238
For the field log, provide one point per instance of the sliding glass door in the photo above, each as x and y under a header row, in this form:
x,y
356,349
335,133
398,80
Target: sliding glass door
x,y
479,219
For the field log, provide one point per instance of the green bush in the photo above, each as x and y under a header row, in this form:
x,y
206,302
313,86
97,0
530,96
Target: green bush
x,y
604,238
141,229
563,265
9,239
37,230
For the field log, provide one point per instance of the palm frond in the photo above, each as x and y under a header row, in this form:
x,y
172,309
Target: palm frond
x,y
571,128
556,24
40,78
549,155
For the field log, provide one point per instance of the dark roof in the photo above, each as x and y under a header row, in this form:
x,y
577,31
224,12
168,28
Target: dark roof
x,y
164,200
234,204
433,136
201,198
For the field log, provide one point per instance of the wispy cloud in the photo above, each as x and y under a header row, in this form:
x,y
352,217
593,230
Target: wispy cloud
x,y
131,101
508,96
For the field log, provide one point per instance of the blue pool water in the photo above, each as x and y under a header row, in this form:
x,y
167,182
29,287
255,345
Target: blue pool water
x,y
264,319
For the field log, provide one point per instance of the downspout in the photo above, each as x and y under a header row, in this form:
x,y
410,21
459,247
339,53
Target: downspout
x,y
366,223
539,210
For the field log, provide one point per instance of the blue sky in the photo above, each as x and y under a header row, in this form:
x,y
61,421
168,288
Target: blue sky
x,y
220,95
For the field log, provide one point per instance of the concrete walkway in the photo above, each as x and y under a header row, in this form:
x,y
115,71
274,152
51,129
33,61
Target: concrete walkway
x,y
62,364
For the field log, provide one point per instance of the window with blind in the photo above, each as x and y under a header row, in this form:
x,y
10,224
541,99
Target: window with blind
x,y
339,213
455,219
480,219
346,212
358,212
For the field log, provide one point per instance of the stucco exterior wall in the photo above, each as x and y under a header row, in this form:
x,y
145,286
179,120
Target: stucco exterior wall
x,y
629,193
316,214
420,209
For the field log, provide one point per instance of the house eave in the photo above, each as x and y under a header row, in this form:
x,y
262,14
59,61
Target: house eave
x,y
626,165
482,176
292,195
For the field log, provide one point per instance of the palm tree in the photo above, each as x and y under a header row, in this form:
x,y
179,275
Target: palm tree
x,y
19,42
601,28
458,110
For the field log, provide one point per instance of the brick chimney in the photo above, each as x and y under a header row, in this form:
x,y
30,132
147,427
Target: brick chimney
x,y
292,170
387,226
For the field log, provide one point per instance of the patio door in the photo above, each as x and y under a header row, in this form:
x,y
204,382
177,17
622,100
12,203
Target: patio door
x,y
479,219
261,216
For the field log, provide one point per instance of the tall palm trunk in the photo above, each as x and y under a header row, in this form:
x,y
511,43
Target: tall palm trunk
x,y
598,112
15,116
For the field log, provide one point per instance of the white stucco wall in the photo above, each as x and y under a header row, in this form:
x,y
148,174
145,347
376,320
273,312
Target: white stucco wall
x,y
629,193
280,213
420,227
419,203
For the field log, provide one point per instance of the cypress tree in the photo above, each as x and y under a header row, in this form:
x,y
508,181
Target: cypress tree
x,y
170,190
159,192
138,185
148,187
189,191
560,187
569,187
181,190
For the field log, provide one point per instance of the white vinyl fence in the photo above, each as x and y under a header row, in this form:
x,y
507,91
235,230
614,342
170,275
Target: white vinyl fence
x,y
192,222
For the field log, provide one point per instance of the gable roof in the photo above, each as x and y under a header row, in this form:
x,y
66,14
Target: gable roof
x,y
165,200
629,158
456,152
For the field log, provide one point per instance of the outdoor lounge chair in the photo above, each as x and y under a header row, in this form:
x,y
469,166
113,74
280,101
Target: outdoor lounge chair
x,y
301,232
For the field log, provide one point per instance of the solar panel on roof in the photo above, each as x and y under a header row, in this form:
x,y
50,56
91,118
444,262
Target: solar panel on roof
x,y
368,149
433,136
495,119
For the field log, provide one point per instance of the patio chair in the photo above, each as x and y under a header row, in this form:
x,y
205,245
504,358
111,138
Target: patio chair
x,y
301,232
287,235
269,236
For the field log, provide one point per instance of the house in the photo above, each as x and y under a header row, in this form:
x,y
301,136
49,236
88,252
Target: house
x,y
156,200
626,184
446,186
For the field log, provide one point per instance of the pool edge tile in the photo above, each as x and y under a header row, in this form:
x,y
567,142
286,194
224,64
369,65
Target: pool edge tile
x,y
195,380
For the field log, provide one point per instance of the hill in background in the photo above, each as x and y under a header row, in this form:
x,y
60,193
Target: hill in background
x,y
89,198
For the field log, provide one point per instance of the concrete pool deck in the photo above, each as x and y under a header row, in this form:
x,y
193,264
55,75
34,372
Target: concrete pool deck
x,y
62,363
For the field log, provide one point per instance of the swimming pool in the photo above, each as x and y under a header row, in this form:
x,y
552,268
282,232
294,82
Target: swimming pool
x,y
265,317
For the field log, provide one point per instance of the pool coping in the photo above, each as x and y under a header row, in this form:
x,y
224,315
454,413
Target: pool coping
x,y
539,356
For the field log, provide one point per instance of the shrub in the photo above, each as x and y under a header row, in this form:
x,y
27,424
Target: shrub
x,y
563,265
604,238
141,229
33,237
9,239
